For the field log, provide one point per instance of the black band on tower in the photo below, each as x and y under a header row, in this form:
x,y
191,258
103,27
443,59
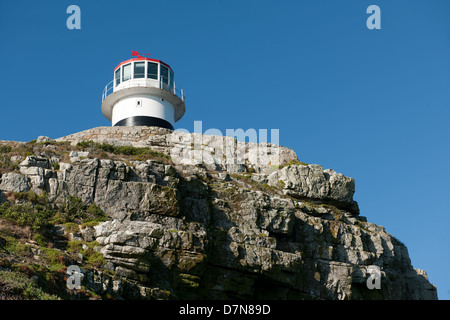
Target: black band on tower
x,y
144,121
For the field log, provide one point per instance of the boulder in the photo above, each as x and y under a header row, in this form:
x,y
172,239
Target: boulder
x,y
312,182
33,161
43,139
15,182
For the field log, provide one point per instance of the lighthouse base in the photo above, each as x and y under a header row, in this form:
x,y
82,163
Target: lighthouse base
x,y
144,121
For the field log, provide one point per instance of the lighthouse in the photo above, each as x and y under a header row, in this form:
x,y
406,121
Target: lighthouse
x,y
143,92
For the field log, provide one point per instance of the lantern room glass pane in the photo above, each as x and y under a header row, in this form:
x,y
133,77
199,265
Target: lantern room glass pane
x,y
165,74
139,69
117,76
171,79
126,72
152,70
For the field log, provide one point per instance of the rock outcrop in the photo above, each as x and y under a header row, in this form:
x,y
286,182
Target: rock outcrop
x,y
254,224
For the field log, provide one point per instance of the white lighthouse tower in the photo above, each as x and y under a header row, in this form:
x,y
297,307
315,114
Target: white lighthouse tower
x,y
143,93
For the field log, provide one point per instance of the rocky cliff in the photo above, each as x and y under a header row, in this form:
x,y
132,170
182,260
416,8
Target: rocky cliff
x,y
148,213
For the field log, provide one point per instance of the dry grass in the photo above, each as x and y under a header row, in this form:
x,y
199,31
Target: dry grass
x,y
22,233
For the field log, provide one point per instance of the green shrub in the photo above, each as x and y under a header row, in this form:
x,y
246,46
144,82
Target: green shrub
x,y
40,239
58,218
53,257
72,227
37,213
90,256
107,148
32,197
90,224
5,149
26,214
293,162
86,144
94,213
74,208
6,165
56,166
143,152
13,246
267,187
20,286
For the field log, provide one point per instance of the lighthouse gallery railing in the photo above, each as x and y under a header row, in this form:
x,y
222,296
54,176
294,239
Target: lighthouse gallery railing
x,y
109,88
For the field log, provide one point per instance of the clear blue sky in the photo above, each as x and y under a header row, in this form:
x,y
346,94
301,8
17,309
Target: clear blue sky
x,y
371,104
